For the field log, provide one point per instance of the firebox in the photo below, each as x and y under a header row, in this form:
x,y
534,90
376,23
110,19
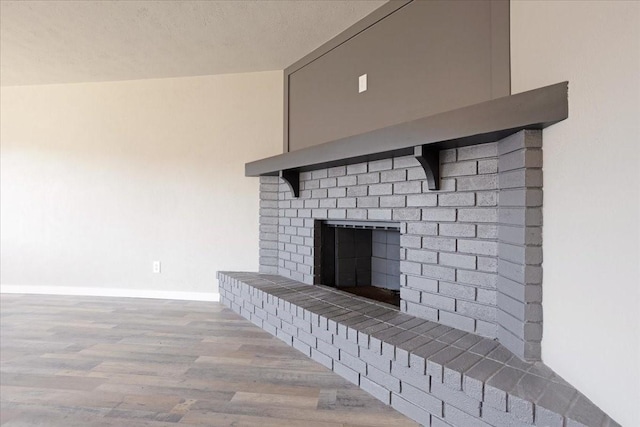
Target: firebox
x,y
362,257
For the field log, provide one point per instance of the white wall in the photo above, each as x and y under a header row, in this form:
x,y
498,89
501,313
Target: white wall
x,y
591,191
100,179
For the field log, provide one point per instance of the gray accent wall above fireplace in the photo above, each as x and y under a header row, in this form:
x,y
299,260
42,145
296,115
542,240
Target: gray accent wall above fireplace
x,y
470,253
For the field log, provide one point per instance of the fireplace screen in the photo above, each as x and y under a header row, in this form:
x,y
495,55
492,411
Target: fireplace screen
x,y
363,258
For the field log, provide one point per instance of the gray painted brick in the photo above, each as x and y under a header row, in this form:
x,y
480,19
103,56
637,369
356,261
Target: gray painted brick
x,y
380,189
328,203
383,378
520,216
528,274
422,311
487,231
392,201
495,395
310,184
359,190
480,182
414,174
319,193
422,200
408,187
422,399
520,178
368,202
337,214
439,244
459,169
408,267
456,199
353,362
522,311
422,283
457,417
487,280
437,422
458,261
375,359
531,197
457,321
478,151
406,214
448,156
456,399
438,214
502,419
519,140
456,290
409,294
487,198
457,230
476,311
518,291
424,256
520,235
488,166
393,175
546,418
337,171
405,162
446,184
347,203
486,296
478,247
357,168
529,158
300,346
346,372
478,215
328,182
410,241
357,214
410,410
344,181
439,301
375,390
439,272
369,178
379,165
337,192
321,358
422,228
319,174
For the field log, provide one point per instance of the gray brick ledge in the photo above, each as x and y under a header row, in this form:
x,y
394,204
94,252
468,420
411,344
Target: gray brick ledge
x,y
448,374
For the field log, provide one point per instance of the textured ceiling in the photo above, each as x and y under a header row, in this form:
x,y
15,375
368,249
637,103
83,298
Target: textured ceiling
x,y
43,42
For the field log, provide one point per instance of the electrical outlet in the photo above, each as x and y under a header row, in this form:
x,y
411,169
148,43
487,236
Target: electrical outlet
x,y
362,83
156,267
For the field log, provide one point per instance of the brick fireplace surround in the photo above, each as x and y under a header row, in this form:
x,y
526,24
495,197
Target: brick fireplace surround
x,y
464,348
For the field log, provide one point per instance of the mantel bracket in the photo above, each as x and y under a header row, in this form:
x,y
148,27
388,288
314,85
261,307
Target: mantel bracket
x,y
292,178
429,158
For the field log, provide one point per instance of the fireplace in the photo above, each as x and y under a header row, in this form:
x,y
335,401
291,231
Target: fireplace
x,y
362,258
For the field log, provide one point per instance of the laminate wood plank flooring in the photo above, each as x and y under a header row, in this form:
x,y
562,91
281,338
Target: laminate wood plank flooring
x,y
103,362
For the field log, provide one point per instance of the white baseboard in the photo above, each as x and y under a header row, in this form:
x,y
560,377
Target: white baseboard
x,y
109,292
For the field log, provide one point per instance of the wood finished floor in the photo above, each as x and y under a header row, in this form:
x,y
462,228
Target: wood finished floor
x,y
89,361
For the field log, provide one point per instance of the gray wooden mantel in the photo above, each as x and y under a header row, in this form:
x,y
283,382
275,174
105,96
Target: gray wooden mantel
x,y
481,123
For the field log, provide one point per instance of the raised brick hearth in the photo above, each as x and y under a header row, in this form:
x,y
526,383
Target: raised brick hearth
x,y
434,374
